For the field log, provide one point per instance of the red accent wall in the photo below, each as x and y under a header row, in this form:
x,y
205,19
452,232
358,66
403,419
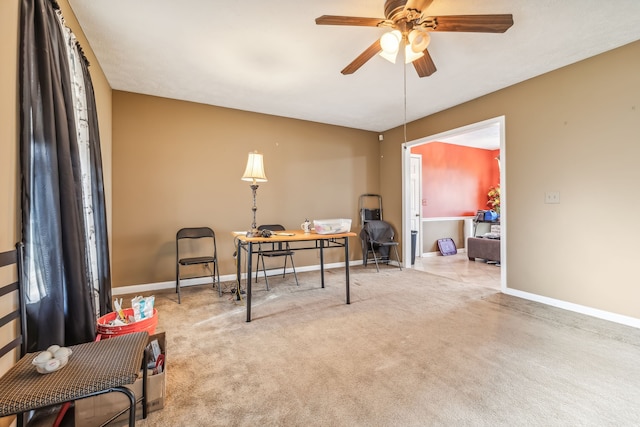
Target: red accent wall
x,y
456,179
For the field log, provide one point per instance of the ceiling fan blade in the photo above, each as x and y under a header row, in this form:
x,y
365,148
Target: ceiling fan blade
x,y
418,5
424,65
369,53
473,23
348,20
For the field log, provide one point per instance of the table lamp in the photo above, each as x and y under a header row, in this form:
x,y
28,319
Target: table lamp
x,y
254,173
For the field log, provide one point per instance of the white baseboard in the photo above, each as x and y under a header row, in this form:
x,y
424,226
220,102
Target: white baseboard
x,y
171,284
577,308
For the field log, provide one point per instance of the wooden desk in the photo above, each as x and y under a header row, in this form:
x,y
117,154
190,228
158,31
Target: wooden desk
x,y
320,241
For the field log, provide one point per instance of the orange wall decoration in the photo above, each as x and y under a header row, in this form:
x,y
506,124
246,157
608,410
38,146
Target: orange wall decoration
x,y
456,179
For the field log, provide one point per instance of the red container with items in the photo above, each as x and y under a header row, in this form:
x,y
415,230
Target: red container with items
x,y
108,331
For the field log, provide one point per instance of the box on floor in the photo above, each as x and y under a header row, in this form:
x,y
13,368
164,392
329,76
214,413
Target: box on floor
x,y
98,409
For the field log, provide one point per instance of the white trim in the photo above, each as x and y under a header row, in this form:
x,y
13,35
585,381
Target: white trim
x,y
577,308
448,218
171,284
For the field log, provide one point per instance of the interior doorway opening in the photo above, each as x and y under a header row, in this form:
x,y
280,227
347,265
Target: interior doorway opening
x,y
488,134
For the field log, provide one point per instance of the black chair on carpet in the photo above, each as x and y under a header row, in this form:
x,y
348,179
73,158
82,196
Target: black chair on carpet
x,y
274,250
197,246
377,238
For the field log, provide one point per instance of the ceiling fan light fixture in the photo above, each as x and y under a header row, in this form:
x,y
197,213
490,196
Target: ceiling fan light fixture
x,y
391,57
410,55
419,40
390,41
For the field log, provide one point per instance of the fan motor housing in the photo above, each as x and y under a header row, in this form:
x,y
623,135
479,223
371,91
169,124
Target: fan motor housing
x,y
393,8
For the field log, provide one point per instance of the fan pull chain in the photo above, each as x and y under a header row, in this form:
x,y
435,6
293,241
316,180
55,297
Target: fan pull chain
x,y
404,69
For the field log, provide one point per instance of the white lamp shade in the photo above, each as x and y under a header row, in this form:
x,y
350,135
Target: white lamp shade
x,y
391,57
419,40
255,169
410,55
390,41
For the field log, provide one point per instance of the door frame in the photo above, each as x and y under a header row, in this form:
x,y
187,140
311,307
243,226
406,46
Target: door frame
x,y
406,188
419,201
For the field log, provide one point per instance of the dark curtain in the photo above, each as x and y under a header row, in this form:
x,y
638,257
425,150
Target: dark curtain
x,y
60,306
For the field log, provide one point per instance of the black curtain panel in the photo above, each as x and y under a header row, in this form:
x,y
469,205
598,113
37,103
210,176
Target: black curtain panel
x,y
59,297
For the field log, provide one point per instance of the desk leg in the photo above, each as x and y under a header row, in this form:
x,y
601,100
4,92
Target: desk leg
x,y
249,252
322,262
238,270
145,362
346,262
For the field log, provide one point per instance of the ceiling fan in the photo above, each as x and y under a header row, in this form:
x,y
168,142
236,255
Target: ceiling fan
x,y
410,27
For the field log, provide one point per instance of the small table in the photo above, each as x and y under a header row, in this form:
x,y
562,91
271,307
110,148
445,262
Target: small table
x,y
320,241
93,368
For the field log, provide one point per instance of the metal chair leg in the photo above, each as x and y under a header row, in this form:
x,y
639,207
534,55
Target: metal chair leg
x,y
213,277
294,269
395,248
217,271
178,282
375,258
284,269
264,270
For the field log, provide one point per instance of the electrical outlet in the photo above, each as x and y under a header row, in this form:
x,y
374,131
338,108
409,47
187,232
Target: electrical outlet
x,y
552,197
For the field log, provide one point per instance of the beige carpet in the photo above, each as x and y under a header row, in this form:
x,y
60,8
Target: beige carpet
x,y
412,349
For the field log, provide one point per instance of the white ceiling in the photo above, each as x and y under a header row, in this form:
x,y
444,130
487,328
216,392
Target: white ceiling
x,y
270,56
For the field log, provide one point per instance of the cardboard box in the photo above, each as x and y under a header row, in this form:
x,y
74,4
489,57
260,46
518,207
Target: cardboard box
x,y
94,411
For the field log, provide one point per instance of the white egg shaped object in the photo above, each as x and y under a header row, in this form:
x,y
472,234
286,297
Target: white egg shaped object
x,y
42,358
52,365
62,352
53,348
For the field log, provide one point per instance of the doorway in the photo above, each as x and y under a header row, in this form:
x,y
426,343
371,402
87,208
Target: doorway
x,y
478,135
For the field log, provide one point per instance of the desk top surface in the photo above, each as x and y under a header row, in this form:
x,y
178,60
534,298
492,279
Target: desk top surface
x,y
291,236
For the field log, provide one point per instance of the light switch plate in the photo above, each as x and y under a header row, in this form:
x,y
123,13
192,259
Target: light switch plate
x,y
552,197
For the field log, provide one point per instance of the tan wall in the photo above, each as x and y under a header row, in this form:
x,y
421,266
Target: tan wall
x,y
577,131
9,214
9,129
178,164
432,231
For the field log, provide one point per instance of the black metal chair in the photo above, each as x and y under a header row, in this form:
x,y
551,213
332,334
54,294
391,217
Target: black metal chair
x,y
377,239
197,246
274,250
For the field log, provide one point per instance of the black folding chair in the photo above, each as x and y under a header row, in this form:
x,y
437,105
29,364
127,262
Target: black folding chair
x,y
202,250
378,240
274,250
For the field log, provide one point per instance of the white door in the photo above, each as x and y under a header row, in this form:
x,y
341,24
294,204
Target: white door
x,y
416,199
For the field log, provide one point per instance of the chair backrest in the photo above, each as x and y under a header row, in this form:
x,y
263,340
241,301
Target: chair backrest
x,y
195,233
272,227
7,259
206,246
379,231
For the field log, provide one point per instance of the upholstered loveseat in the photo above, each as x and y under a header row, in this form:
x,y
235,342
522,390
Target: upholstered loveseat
x,y
487,249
